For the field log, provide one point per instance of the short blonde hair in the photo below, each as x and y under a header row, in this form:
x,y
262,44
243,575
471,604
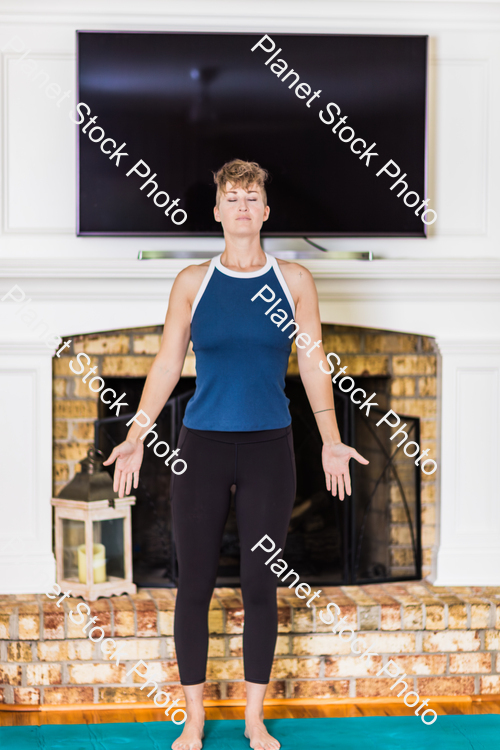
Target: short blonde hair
x,y
240,174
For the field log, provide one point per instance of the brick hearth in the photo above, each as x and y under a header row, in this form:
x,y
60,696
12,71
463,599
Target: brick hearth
x,y
445,639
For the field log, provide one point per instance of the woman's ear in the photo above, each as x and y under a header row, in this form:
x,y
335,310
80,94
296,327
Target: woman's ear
x,y
267,211
216,214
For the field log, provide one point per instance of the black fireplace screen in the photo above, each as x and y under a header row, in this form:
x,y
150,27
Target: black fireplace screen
x,y
373,536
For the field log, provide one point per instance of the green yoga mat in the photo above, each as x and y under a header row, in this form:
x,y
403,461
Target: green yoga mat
x,y
481,732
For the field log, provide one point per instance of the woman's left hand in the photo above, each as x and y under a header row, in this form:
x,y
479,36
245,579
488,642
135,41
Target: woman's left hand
x,y
335,457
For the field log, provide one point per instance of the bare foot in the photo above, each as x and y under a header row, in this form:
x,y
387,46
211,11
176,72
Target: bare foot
x,y
259,737
192,734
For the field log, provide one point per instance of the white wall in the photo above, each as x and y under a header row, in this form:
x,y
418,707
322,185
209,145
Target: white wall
x,y
38,159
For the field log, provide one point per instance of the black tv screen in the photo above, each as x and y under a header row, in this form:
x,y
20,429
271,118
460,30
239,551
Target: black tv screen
x,y
182,104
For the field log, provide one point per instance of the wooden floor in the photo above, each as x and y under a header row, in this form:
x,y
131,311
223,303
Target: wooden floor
x,y
374,707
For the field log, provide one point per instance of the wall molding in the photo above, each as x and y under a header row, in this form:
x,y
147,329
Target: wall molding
x,y
5,130
27,573
477,347
481,569
285,15
481,230
26,346
380,282
26,560
442,269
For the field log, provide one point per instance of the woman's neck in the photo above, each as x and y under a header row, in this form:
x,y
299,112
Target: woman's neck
x,y
243,254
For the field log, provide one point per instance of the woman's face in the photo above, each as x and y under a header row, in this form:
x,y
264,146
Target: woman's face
x,y
241,212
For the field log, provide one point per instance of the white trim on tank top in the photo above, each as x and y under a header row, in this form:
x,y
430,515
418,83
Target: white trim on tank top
x,y
271,262
244,274
284,285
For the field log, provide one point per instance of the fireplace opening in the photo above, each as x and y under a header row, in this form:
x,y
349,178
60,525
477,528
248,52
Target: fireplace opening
x,y
373,536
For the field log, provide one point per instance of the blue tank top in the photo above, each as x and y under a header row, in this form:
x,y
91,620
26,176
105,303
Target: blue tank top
x,y
241,355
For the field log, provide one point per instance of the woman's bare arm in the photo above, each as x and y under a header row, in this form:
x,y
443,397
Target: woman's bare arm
x,y
162,378
317,384
167,365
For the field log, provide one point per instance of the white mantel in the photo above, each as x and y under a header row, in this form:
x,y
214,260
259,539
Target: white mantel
x,y
458,302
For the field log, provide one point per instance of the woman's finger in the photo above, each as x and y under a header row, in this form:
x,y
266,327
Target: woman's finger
x,y
347,482
328,482
116,479
333,480
358,457
136,479
123,479
112,457
340,481
128,484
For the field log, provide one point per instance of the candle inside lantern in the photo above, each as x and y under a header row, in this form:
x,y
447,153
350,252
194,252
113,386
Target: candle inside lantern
x,y
99,563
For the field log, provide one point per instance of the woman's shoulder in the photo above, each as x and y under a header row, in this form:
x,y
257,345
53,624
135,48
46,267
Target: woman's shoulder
x,y
192,275
297,277
189,280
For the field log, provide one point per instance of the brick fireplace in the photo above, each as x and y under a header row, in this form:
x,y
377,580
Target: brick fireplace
x,y
445,371
403,367
444,291
449,303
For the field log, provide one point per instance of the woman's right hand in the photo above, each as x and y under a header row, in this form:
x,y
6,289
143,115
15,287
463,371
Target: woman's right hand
x,y
128,457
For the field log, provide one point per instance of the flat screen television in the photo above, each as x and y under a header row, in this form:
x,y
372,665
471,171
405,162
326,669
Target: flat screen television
x,y
184,103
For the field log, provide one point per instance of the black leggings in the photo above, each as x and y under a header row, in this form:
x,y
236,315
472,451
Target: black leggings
x,y
262,466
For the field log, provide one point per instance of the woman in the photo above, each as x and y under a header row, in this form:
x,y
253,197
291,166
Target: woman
x,y
236,431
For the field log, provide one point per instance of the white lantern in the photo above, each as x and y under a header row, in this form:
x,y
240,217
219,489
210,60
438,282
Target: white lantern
x,y
93,531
